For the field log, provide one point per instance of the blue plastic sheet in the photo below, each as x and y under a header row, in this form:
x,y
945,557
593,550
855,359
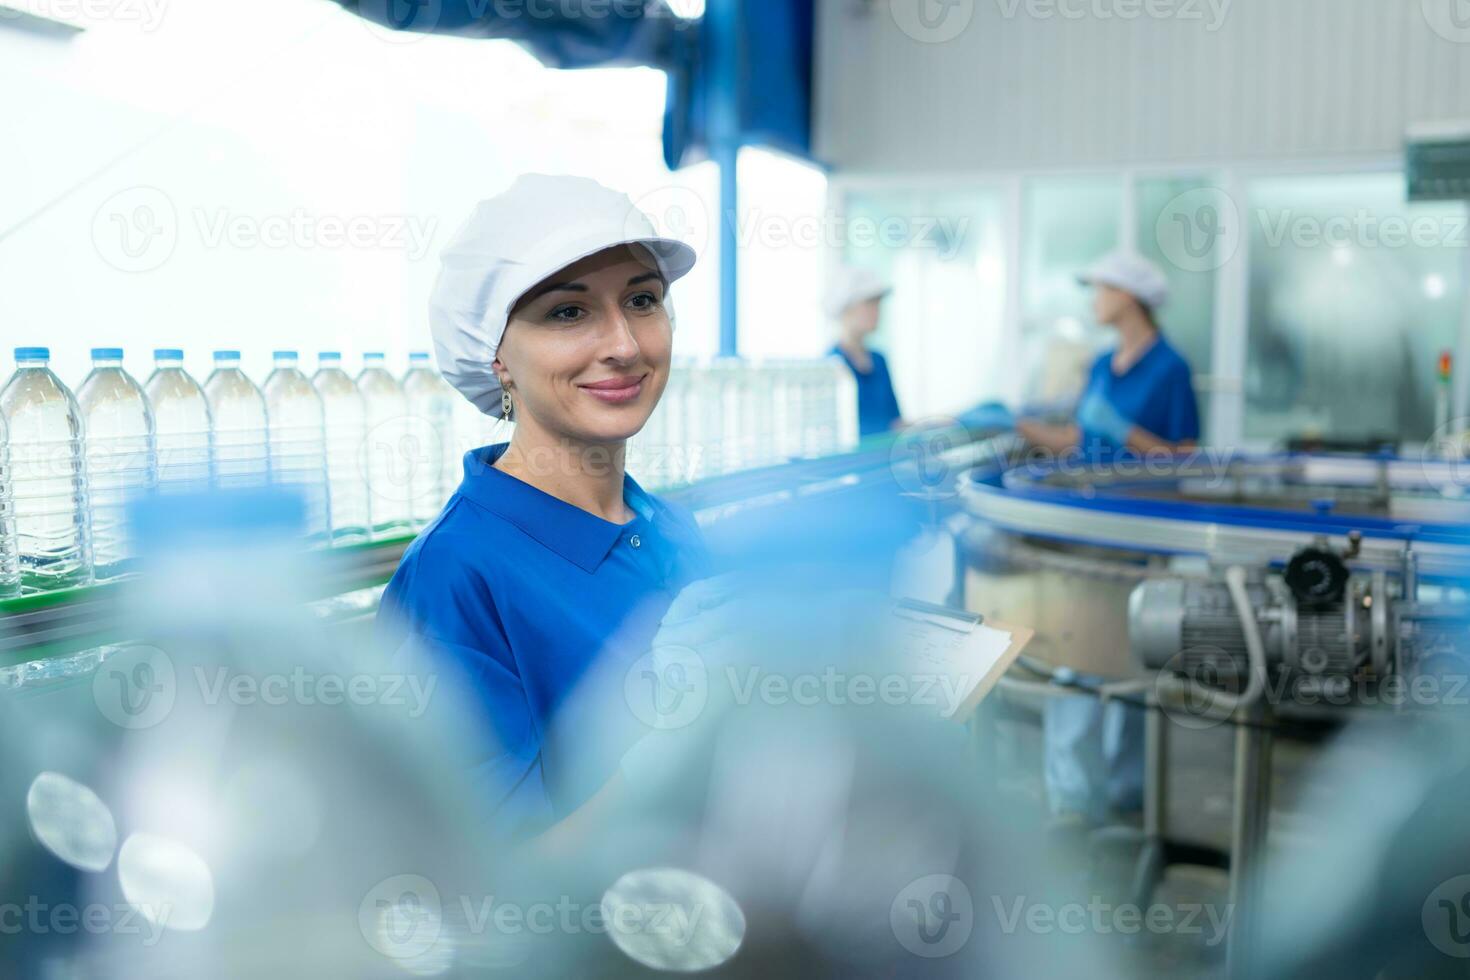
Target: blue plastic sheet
x,y
771,48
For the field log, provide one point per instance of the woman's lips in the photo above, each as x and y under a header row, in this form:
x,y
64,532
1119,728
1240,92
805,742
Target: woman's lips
x,y
616,391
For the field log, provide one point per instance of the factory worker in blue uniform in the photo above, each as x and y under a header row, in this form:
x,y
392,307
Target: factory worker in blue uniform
x,y
1139,399
855,301
549,562
1139,395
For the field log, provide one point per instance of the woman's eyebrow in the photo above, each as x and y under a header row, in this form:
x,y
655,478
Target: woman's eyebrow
x,y
556,287
648,276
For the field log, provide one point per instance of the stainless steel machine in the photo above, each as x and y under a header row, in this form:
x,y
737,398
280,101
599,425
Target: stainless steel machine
x,y
1230,595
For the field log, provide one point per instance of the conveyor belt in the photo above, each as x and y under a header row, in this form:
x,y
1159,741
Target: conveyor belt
x,y
1256,511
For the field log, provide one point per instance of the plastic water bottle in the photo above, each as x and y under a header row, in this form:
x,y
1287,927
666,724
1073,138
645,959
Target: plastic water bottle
x,y
388,448
846,394
431,404
298,441
181,424
48,488
345,415
118,451
9,565
237,409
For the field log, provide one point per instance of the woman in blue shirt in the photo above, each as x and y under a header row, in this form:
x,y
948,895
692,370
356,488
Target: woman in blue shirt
x,y
549,563
855,300
1139,396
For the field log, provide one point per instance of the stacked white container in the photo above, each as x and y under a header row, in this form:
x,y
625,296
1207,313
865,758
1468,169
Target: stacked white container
x,y
298,450
389,466
44,428
241,441
436,470
118,452
182,426
345,414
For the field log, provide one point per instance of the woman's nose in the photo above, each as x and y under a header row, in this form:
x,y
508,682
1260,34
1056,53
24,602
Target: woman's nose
x,y
619,343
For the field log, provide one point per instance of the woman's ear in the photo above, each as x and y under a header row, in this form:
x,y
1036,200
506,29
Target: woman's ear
x,y
498,366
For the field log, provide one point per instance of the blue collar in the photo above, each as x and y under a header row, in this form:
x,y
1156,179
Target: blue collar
x,y
581,538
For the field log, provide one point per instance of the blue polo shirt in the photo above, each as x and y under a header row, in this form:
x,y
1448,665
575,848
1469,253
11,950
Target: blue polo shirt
x,y
877,403
1156,393
516,595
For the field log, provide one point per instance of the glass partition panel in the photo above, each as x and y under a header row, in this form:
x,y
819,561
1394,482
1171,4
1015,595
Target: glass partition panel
x,y
1353,295
943,326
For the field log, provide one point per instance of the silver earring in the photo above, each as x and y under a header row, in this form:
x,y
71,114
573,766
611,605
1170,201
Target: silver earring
x,y
507,407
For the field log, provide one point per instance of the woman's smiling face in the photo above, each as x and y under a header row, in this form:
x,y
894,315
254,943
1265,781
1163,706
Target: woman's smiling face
x,y
586,352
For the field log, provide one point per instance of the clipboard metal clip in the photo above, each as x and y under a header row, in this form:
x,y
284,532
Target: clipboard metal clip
x,y
958,620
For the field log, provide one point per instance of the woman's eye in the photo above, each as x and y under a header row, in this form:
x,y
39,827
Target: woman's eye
x,y
644,302
565,314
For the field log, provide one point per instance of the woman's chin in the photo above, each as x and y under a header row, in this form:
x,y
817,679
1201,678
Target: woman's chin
x,y
611,431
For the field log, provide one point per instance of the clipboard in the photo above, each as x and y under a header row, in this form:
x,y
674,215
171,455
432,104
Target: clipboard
x,y
972,651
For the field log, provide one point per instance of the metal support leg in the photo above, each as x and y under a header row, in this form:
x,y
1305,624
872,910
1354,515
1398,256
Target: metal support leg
x,y
1248,842
1152,859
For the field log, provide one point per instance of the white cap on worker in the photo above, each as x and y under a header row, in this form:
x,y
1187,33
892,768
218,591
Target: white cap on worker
x,y
853,284
1131,273
514,241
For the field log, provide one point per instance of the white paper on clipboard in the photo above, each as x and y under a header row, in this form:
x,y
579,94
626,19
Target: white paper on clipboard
x,y
957,649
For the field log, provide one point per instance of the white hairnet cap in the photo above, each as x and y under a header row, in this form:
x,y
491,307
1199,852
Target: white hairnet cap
x,y
1131,273
853,284
511,242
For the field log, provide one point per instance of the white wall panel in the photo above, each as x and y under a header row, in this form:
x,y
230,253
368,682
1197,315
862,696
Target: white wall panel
x,y
1278,80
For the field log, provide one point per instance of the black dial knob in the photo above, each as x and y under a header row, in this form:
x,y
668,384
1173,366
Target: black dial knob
x,y
1317,577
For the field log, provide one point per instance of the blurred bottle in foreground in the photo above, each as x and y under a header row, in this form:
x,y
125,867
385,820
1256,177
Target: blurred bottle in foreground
x,y
387,450
181,424
237,408
298,451
431,421
47,483
9,565
118,450
345,415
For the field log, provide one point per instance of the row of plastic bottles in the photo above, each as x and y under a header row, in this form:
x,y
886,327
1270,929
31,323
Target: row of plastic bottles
x,y
728,415
372,456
